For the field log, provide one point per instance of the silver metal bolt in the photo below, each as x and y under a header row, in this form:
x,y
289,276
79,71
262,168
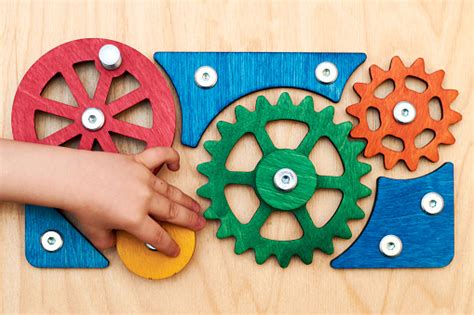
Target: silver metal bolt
x,y
326,72
391,245
151,247
285,179
51,241
432,203
205,77
110,57
93,119
404,112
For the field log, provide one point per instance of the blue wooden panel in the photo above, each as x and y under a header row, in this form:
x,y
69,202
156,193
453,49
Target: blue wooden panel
x,y
428,240
76,252
242,73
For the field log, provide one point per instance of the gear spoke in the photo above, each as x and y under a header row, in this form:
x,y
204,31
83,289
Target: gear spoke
x,y
52,107
304,219
264,141
86,142
130,130
75,86
308,143
239,178
107,144
128,100
260,216
331,182
103,87
61,136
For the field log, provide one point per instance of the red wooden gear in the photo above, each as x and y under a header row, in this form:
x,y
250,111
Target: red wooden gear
x,y
153,87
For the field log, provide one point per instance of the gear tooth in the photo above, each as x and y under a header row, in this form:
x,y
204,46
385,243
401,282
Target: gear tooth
x,y
396,63
364,192
205,191
240,247
307,103
447,138
375,71
210,146
454,117
353,110
360,88
210,214
306,257
389,162
205,168
328,112
357,145
365,169
224,128
262,103
450,96
261,255
412,163
285,100
432,155
345,128
344,231
357,132
437,77
371,149
241,112
357,212
284,259
419,64
327,247
223,232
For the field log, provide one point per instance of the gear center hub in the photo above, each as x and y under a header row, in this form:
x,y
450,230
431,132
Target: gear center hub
x,y
286,179
93,119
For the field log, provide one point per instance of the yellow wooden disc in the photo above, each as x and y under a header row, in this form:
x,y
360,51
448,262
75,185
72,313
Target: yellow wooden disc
x,y
146,263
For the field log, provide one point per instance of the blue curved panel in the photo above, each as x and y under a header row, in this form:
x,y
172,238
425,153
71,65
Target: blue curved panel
x,y
242,73
428,240
76,252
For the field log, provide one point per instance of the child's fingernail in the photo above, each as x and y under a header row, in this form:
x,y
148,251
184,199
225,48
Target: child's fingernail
x,y
197,207
176,252
201,222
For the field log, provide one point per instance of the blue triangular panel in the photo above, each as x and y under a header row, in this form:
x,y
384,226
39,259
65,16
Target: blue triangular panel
x,y
76,252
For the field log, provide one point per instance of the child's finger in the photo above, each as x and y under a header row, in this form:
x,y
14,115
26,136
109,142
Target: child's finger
x,y
164,209
152,233
155,157
175,194
102,239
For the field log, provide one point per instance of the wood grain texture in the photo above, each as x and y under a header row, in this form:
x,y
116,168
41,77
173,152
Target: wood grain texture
x,y
241,73
406,132
428,240
216,281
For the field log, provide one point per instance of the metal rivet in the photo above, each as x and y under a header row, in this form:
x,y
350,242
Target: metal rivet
x,y
151,247
109,56
391,245
93,119
205,77
326,72
404,112
432,203
51,241
285,179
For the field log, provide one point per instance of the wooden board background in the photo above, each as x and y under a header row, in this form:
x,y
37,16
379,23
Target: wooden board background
x,y
217,280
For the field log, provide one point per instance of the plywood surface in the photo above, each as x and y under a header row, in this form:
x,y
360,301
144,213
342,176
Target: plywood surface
x,y
218,281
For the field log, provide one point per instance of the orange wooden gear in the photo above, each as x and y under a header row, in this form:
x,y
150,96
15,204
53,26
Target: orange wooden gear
x,y
407,132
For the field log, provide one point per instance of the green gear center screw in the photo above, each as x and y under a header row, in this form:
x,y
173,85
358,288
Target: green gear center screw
x,y
305,176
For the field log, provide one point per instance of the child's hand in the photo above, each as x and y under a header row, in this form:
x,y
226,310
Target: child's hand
x,y
121,192
103,191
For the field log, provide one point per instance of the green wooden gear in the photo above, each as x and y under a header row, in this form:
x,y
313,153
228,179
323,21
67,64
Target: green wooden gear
x,y
320,124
